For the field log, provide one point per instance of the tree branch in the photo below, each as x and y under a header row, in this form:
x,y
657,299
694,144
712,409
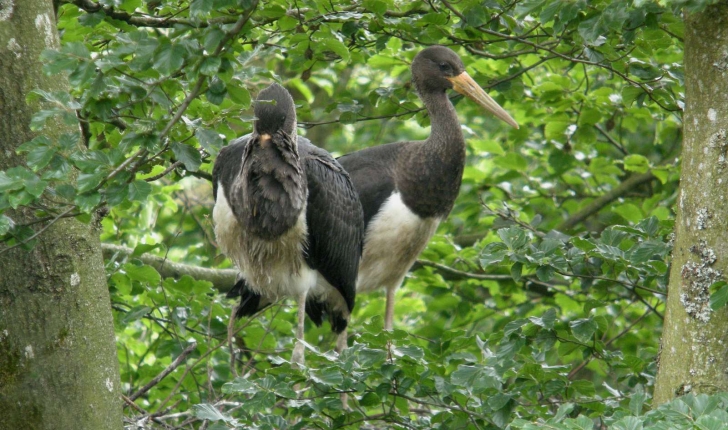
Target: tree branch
x,y
165,372
602,201
221,279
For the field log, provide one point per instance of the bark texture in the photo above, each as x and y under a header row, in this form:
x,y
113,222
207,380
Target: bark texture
x,y
694,353
58,362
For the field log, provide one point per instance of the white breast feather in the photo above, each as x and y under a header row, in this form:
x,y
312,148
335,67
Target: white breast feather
x,y
273,269
394,239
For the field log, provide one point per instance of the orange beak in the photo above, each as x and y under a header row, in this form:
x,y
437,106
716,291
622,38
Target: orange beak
x,y
466,86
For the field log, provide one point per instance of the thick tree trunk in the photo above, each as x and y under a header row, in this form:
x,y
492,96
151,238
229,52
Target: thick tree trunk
x,y
694,354
58,362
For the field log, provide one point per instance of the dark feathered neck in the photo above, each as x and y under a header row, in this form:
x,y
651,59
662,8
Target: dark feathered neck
x,y
430,172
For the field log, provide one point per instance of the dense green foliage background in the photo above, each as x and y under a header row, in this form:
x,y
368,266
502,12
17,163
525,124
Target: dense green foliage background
x,y
537,305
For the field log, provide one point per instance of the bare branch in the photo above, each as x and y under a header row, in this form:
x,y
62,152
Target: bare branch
x,y
221,279
181,358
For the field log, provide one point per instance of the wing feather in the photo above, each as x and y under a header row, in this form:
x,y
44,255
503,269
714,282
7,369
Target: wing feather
x,y
335,221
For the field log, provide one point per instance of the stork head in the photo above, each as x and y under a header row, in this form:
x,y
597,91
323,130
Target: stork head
x,y
437,69
275,111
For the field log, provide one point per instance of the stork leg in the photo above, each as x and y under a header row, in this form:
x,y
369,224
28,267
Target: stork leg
x,y
298,350
341,345
389,313
341,342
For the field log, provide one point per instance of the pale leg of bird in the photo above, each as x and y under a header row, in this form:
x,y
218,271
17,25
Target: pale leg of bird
x,y
341,345
389,313
297,356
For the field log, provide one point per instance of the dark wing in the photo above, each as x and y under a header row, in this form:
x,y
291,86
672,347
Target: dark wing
x,y
372,173
228,163
335,221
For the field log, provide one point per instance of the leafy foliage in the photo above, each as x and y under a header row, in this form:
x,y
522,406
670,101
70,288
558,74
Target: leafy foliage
x,y
539,303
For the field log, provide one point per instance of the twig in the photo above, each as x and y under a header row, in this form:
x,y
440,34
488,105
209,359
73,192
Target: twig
x,y
165,372
610,138
39,232
166,171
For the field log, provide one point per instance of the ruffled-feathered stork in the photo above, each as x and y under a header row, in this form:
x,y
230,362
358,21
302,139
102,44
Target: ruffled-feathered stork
x,y
287,215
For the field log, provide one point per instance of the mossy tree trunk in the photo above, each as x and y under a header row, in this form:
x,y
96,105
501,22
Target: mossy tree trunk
x,y
694,353
58,362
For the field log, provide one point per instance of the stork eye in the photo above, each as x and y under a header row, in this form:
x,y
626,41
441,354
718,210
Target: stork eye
x,y
445,67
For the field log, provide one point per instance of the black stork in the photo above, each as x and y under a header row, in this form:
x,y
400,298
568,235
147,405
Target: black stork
x,y
288,216
407,188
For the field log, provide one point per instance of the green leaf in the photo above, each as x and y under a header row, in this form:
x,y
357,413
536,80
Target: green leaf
x,y
87,202
136,313
139,190
636,163
210,65
347,117
377,6
169,58
240,385
584,387
547,320
487,145
329,376
210,140
629,211
9,183
144,273
583,329
514,238
516,271
239,94
188,155
370,399
332,44
216,91
720,297
545,273
88,181
6,223
209,412
286,23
